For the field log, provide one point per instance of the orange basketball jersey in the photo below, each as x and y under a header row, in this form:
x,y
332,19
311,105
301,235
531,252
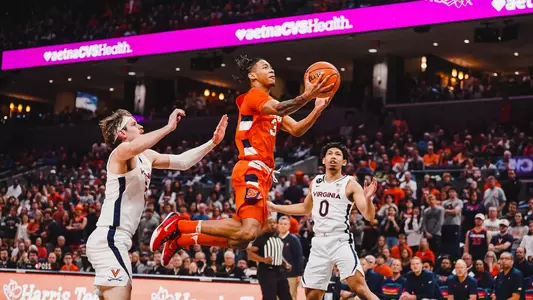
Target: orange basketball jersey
x,y
256,132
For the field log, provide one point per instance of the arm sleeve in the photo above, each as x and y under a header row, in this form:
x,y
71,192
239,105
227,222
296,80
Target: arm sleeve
x,y
189,158
254,101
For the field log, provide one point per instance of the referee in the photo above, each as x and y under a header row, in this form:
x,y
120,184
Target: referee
x,y
267,250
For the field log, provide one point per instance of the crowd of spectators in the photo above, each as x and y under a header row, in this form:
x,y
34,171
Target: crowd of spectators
x,y
486,86
422,210
41,24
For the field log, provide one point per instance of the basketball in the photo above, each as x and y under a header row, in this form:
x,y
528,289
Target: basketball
x,y
317,69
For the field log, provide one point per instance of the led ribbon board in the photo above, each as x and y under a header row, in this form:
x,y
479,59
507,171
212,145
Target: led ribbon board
x,y
267,31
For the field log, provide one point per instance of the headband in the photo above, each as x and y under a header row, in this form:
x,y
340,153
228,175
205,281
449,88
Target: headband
x,y
122,125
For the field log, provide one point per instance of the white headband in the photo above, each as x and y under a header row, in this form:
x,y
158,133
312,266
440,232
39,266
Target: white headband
x,y
123,123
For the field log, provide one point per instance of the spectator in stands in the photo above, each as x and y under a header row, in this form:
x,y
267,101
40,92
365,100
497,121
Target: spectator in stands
x,y
22,228
229,269
157,268
512,186
293,193
484,280
529,214
14,190
402,244
373,279
390,227
511,211
137,267
381,267
430,158
420,283
424,252
202,213
408,181
492,224
201,263
494,196
508,284
432,219
503,241
521,263
527,242
147,226
61,244
292,253
11,224
393,286
5,262
471,208
444,270
68,265
460,285
405,259
492,265
477,239
394,190
428,265
176,266
77,227
451,226
51,263
517,230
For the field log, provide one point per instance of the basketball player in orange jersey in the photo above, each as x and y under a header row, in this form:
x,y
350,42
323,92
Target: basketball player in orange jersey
x,y
260,118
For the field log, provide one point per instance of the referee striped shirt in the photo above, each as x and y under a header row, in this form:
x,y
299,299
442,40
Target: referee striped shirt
x,y
270,245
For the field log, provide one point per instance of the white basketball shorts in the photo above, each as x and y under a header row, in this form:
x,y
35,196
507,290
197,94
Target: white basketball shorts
x,y
107,251
327,251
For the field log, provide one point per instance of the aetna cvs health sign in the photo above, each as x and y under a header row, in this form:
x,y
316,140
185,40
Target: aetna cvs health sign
x,y
511,5
401,15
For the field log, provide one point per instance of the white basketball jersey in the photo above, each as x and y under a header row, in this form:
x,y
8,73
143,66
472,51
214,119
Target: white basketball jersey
x,y
125,196
331,207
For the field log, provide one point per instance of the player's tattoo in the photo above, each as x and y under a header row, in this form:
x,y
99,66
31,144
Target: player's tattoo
x,y
290,106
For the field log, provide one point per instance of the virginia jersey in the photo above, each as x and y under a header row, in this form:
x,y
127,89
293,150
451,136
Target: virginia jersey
x,y
125,196
256,132
331,207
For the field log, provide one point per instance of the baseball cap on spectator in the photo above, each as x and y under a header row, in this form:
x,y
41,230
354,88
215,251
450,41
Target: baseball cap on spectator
x,y
79,207
481,216
504,222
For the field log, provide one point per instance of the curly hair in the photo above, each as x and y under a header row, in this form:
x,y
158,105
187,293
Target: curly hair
x,y
245,65
109,127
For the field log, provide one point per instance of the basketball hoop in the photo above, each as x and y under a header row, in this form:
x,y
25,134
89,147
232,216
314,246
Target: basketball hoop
x,y
457,3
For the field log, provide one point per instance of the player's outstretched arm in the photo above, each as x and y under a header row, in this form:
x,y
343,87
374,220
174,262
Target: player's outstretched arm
x,y
299,128
363,198
189,158
146,141
300,209
312,90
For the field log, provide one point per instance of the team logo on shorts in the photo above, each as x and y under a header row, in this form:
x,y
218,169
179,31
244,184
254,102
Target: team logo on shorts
x,y
114,277
252,194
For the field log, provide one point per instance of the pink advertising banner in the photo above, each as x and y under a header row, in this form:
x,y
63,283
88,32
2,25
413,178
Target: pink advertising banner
x,y
267,31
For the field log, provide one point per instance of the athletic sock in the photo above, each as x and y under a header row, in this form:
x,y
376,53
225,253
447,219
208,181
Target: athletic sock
x,y
186,226
190,239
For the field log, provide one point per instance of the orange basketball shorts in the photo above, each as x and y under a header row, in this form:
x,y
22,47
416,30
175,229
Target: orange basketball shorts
x,y
251,185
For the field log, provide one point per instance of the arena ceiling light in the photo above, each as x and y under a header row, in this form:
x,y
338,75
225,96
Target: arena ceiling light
x,y
69,79
178,69
111,89
88,77
131,73
495,74
467,41
516,54
517,73
343,69
223,65
288,58
435,44
51,81
373,50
